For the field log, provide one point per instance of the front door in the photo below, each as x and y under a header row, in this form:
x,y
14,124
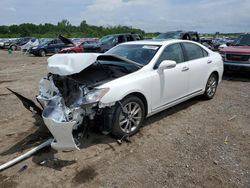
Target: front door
x,y
171,84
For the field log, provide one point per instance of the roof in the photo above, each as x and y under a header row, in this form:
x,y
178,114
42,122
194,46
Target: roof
x,y
155,41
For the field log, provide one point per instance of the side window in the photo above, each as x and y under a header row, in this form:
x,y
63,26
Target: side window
x,y
173,52
194,51
121,39
129,38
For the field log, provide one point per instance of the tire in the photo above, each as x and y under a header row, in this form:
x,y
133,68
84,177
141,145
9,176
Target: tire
x,y
14,48
42,53
211,86
133,115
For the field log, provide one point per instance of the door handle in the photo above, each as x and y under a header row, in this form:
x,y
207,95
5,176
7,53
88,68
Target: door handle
x,y
209,61
185,69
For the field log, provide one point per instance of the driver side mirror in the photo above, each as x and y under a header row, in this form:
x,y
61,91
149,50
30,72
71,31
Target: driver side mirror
x,y
166,64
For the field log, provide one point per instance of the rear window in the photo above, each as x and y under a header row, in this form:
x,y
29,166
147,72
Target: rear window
x,y
194,51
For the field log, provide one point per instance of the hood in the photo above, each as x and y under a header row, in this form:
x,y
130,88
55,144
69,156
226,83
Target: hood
x,y
237,49
68,64
65,40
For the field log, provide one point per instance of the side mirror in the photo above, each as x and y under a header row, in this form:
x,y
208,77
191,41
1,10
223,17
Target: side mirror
x,y
166,64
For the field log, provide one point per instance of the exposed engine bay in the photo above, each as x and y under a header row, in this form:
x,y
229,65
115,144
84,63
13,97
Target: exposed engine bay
x,y
70,101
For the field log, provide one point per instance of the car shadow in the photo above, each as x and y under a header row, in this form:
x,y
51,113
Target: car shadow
x,y
236,76
39,136
170,111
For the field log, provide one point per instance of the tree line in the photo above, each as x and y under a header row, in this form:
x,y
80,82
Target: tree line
x,y
83,30
64,28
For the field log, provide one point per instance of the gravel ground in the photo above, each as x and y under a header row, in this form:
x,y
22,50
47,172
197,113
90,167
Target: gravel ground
x,y
195,144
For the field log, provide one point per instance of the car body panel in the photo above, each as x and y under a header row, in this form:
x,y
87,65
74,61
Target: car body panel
x,y
237,49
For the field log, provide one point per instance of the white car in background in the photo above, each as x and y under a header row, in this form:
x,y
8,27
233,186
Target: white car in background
x,y
122,87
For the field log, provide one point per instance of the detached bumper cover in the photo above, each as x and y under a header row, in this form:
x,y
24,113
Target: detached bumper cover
x,y
62,132
60,120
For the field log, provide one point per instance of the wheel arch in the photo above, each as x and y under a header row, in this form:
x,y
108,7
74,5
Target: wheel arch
x,y
216,73
143,98
43,49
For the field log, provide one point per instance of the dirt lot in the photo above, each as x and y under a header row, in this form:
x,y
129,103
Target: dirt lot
x,y
195,144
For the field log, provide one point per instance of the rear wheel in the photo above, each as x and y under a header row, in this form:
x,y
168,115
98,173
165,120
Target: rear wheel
x,y
128,117
42,53
211,86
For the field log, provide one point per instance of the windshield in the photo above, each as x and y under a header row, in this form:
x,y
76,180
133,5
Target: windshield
x,y
170,35
107,39
140,53
243,40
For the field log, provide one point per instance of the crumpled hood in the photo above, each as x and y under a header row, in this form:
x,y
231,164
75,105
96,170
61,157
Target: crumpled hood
x,y
68,64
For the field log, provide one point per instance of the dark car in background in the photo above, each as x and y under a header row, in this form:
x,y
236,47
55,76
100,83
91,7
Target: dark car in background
x,y
184,35
51,47
109,41
237,55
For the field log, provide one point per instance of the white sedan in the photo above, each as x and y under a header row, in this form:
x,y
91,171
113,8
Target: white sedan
x,y
122,87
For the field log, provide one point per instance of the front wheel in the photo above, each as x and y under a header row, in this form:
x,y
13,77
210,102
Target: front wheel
x,y
128,117
211,86
13,48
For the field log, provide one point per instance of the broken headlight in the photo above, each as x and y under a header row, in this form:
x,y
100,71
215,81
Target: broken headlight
x,y
94,95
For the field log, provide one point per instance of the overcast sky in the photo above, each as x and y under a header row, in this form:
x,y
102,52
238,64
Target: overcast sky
x,y
149,15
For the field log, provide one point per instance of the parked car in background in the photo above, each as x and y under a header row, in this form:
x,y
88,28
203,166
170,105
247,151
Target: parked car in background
x,y
237,55
16,43
208,42
123,86
109,41
86,46
51,47
32,43
2,43
184,35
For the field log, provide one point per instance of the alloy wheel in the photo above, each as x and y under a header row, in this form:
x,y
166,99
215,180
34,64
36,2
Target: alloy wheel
x,y
131,117
211,86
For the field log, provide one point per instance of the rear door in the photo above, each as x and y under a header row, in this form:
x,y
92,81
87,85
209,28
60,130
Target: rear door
x,y
199,66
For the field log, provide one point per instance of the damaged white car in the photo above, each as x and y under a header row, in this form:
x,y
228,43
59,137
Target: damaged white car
x,y
123,86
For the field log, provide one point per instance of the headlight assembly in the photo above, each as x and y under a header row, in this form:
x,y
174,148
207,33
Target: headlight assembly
x,y
94,95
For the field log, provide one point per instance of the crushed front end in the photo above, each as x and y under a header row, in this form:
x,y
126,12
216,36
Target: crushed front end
x,y
66,105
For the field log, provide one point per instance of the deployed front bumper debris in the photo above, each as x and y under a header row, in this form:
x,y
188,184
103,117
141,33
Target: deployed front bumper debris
x,y
60,119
